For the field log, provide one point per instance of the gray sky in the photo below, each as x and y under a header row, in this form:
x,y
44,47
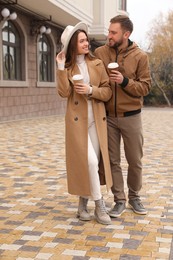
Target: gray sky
x,y
142,12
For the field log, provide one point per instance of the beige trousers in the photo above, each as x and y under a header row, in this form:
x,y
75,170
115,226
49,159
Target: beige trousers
x,y
93,155
128,129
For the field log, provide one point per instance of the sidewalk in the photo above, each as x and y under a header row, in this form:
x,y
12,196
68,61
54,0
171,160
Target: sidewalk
x,y
37,215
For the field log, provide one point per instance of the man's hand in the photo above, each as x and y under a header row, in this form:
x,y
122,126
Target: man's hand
x,y
116,76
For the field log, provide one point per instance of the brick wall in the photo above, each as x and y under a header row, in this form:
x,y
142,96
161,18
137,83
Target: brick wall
x,y
31,101
20,103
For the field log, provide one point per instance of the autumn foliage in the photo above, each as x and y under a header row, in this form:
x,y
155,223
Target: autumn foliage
x,y
160,52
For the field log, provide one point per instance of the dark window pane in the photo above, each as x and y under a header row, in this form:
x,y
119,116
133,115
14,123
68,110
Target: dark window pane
x,y
45,65
11,52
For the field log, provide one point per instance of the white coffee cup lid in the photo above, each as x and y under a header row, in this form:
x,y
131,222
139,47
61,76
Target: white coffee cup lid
x,y
77,77
113,65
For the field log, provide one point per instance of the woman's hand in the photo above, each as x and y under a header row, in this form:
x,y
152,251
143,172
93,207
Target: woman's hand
x,y
60,58
82,88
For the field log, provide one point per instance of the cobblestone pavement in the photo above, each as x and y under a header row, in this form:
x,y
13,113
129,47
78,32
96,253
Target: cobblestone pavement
x,y
38,216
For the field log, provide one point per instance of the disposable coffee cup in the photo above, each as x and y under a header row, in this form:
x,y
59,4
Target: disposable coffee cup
x,y
112,66
78,78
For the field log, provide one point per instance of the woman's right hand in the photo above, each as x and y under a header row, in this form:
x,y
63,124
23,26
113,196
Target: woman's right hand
x,y
60,58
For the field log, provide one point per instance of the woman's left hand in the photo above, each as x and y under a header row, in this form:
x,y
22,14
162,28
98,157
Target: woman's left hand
x,y
81,88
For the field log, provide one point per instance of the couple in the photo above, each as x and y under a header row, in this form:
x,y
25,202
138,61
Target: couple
x,y
100,110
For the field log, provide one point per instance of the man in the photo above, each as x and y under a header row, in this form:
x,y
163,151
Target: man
x,y
130,82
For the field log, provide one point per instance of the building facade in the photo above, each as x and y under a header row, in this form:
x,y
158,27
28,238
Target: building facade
x,y
30,38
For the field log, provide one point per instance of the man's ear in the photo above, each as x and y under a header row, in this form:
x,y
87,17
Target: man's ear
x,y
127,34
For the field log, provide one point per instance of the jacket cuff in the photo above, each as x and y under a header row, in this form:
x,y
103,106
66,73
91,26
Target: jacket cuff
x,y
61,66
125,82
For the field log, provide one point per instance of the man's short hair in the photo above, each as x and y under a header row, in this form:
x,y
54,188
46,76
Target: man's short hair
x,y
125,22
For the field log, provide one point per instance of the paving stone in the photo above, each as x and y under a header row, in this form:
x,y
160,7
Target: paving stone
x,y
38,216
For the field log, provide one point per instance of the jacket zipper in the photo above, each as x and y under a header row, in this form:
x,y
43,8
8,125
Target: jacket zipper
x,y
116,87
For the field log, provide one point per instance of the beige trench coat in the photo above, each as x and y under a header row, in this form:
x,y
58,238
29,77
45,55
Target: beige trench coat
x,y
77,126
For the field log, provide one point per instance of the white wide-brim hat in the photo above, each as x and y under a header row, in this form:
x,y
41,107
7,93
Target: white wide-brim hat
x,y
68,33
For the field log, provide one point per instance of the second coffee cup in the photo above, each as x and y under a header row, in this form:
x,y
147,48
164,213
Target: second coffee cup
x,y
112,66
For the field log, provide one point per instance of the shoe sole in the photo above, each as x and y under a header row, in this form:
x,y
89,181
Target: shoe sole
x,y
138,212
116,215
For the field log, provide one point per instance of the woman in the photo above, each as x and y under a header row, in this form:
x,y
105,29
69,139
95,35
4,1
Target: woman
x,y
86,129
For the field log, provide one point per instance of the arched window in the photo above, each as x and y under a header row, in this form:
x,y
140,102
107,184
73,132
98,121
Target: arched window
x,y
45,60
11,52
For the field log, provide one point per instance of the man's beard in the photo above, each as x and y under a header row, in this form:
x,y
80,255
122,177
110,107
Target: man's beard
x,y
117,44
